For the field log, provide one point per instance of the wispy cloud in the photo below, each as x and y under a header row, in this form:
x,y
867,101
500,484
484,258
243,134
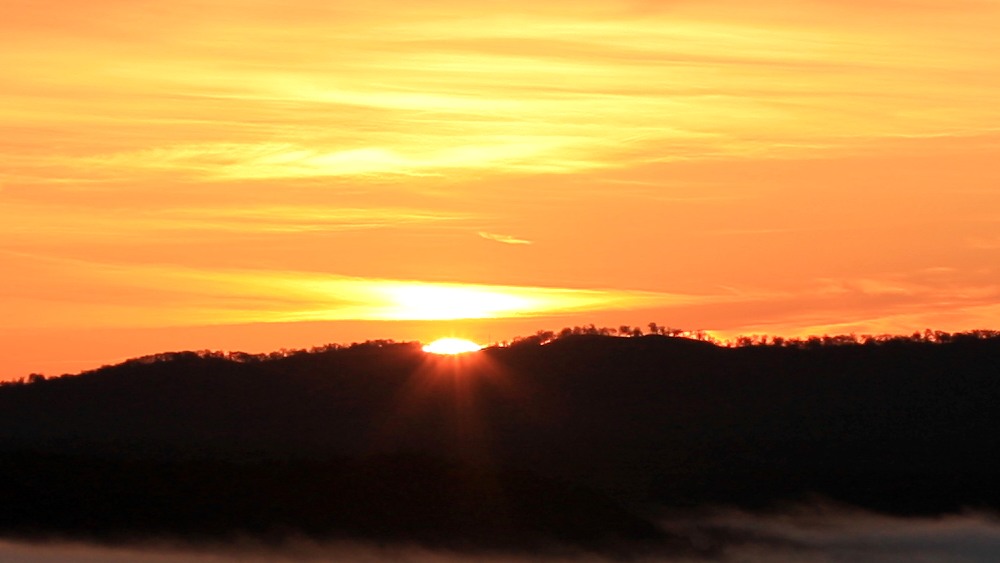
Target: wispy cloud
x,y
154,295
47,223
939,298
506,239
412,92
228,161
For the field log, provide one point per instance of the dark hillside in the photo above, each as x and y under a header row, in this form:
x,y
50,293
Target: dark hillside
x,y
576,441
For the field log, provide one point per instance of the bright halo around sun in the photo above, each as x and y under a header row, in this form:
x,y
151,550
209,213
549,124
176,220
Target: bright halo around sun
x,y
451,346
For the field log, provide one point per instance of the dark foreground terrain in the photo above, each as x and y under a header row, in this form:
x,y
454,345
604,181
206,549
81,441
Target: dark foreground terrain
x,y
584,442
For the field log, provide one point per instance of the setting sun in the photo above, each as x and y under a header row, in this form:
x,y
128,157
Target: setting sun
x,y
451,346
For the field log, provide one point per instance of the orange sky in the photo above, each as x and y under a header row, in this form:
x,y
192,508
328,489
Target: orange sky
x,y
257,174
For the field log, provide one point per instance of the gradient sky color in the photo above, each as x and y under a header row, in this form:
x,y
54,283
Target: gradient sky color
x,y
256,174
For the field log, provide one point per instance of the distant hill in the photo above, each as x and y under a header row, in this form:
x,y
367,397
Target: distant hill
x,y
580,441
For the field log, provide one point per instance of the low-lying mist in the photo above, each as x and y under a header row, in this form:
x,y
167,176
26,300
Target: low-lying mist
x,y
802,534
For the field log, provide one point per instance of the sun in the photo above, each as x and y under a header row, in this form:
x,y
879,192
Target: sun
x,y
451,346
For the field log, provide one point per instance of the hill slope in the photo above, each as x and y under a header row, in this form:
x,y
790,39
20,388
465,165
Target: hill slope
x,y
579,441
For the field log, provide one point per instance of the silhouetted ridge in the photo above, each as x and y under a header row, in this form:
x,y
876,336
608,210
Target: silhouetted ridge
x,y
578,439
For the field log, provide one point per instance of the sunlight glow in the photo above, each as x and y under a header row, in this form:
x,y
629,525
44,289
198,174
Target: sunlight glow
x,y
451,346
444,302
230,296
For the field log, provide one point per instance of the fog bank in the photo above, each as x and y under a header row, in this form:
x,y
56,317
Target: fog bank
x,y
819,534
